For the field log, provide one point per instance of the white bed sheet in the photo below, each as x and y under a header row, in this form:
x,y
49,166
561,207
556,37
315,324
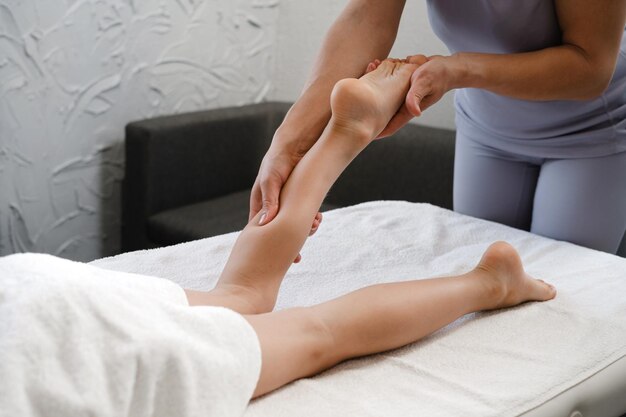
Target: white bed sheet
x,y
542,359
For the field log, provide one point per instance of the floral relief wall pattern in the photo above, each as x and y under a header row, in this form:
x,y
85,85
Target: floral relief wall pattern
x,y
74,72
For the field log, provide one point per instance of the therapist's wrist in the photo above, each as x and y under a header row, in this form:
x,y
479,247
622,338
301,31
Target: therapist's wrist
x,y
286,145
294,142
464,70
456,71
305,121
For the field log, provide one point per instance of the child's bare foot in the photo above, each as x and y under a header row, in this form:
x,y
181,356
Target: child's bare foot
x,y
411,59
373,65
364,106
509,284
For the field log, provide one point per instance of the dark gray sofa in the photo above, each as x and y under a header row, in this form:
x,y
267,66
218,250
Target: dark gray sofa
x,y
189,176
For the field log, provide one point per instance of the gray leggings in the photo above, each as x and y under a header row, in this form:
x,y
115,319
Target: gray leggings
x,y
579,200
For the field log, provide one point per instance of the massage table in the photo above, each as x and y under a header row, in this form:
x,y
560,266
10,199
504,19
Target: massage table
x,y
562,358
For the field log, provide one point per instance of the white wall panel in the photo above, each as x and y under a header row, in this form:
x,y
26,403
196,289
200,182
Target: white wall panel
x,y
73,73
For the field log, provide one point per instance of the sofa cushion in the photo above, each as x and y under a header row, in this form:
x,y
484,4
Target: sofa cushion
x,y
205,219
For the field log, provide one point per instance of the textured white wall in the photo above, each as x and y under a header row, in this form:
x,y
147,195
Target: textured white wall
x,y
301,29
74,72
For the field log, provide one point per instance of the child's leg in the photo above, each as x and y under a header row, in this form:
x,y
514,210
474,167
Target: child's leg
x,y
262,254
300,342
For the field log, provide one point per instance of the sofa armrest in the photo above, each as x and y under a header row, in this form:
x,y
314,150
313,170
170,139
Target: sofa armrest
x,y
416,164
183,159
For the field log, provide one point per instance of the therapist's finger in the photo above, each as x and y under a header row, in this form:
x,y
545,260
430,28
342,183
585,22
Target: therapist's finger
x,y
402,117
270,190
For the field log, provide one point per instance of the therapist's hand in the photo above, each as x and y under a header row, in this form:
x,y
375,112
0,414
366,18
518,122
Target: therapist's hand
x,y
273,173
435,76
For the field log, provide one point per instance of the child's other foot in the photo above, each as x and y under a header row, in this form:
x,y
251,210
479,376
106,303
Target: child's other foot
x,y
509,284
364,106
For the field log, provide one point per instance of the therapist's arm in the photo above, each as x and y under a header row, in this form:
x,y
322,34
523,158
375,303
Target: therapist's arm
x,y
366,29
578,69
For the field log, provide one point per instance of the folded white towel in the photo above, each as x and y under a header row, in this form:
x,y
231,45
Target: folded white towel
x,y
77,340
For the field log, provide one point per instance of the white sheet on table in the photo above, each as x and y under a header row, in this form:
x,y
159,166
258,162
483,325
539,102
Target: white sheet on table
x,y
80,340
494,364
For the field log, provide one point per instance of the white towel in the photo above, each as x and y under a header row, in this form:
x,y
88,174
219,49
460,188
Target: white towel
x,y
77,340
496,364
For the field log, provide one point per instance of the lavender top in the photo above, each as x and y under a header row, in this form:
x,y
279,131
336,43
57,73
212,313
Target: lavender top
x,y
558,128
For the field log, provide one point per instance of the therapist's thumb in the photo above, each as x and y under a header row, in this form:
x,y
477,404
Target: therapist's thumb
x,y
270,191
413,100
420,90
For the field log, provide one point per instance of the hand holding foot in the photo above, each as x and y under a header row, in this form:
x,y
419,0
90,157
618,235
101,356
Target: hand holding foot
x,y
360,106
364,106
404,114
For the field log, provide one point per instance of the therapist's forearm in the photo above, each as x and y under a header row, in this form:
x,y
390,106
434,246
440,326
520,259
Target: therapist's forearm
x,y
361,34
557,73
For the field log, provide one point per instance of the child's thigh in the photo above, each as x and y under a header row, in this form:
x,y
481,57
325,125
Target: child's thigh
x,y
295,344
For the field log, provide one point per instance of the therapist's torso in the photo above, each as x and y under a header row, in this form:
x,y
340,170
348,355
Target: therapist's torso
x,y
513,26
